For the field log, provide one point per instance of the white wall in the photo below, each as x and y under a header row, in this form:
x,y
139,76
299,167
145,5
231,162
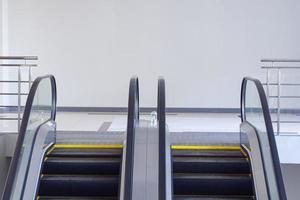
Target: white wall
x,y
1,46
1,42
202,47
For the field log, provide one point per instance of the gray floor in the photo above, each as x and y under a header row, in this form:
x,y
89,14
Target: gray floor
x,y
291,176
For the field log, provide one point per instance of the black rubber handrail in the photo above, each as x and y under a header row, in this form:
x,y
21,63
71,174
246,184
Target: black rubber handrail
x,y
132,120
28,107
161,117
269,129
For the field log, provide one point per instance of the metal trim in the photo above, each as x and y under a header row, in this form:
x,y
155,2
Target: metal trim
x,y
279,60
132,120
18,58
161,117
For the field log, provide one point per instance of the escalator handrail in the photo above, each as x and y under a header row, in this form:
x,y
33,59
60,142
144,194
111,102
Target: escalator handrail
x,y
29,103
269,129
161,117
132,120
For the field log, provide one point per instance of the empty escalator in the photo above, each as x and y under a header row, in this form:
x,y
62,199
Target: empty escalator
x,y
81,172
211,173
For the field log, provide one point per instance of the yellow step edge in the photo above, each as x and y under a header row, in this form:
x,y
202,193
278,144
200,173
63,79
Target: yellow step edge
x,y
198,147
50,150
89,146
244,153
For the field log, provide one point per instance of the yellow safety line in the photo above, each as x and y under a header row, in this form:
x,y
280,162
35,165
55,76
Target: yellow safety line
x,y
198,147
244,153
50,150
89,146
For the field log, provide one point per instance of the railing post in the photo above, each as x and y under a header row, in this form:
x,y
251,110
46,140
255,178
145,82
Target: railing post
x,y
19,98
29,78
278,100
268,81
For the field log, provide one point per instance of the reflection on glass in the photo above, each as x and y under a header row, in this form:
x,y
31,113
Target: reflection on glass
x,y
253,108
40,113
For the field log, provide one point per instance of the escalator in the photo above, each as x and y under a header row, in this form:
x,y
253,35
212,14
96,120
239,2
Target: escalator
x,y
208,172
154,165
90,167
81,172
236,166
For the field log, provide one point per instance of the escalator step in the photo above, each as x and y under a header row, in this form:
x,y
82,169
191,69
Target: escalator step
x,y
73,165
210,165
212,184
205,197
207,153
75,198
68,185
88,152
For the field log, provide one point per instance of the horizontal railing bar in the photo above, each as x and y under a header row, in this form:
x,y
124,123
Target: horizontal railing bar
x,y
280,67
285,97
289,134
282,84
3,81
10,106
7,94
279,60
18,65
7,132
9,118
9,115
287,122
18,58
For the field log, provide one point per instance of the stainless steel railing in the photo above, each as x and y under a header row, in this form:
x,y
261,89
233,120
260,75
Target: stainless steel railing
x,y
277,65
17,62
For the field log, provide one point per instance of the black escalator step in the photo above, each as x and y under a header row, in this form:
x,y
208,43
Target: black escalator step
x,y
75,198
83,152
210,165
63,185
72,165
206,197
207,153
212,184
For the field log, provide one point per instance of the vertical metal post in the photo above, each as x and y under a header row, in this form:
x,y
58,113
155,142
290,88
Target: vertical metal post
x,y
29,78
268,82
278,100
19,98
